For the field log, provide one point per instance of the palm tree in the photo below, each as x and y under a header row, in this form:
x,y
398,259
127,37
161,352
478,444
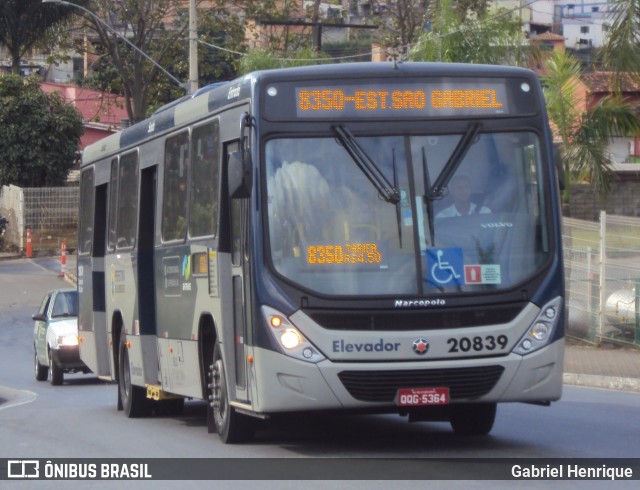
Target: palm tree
x,y
621,53
584,131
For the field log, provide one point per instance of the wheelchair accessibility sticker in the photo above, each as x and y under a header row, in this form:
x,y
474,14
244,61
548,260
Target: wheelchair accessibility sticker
x,y
445,267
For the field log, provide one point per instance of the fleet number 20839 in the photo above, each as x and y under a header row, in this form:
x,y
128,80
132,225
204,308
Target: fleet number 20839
x,y
477,344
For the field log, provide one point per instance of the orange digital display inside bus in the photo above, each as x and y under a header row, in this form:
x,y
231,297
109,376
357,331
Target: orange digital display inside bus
x,y
488,98
350,253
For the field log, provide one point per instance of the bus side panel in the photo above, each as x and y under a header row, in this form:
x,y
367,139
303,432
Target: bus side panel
x,y
122,310
86,316
179,367
92,323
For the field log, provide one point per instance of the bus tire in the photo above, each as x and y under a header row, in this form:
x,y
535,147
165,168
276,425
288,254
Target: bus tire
x,y
231,426
42,372
472,419
134,398
56,375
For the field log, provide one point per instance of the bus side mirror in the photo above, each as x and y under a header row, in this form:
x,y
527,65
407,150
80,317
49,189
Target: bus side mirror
x,y
240,173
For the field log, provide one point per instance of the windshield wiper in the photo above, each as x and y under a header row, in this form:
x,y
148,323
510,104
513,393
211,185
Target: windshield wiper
x,y
437,191
369,168
398,204
427,200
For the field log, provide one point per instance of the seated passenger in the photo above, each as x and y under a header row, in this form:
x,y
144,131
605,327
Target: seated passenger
x,y
460,187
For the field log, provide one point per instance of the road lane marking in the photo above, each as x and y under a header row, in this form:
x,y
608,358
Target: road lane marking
x,y
10,398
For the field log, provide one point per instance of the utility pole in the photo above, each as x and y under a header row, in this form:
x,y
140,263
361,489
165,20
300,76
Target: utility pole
x,y
193,47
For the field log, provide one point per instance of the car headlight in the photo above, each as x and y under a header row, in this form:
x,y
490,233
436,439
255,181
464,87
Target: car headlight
x,y
66,340
289,338
541,330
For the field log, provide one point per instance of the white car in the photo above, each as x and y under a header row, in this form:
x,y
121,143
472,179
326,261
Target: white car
x,y
55,337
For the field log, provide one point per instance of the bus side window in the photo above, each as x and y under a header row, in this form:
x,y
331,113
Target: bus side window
x,y
174,205
203,201
127,201
87,209
113,204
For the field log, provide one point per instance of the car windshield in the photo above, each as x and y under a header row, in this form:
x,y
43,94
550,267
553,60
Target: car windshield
x,y
468,215
66,304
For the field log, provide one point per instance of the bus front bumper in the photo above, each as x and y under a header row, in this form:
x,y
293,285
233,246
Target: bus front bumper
x,y
284,384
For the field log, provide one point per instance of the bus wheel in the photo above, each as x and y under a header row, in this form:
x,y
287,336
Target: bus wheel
x,y
231,426
473,419
134,398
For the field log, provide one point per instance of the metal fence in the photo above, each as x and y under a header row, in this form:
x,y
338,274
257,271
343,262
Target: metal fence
x,y
602,270
50,213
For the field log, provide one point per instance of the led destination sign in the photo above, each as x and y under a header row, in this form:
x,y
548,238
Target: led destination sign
x,y
398,100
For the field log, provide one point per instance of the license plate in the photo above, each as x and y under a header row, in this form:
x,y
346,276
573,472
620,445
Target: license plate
x,y
417,397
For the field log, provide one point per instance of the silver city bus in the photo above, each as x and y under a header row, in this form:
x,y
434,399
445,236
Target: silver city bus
x,y
372,238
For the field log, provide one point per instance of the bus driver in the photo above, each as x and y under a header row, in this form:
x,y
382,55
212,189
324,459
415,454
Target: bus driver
x,y
460,187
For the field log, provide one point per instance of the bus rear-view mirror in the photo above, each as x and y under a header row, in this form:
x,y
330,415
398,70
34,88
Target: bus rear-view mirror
x,y
240,175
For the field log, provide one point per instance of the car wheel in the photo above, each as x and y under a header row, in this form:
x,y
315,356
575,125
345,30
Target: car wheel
x,y
42,372
56,375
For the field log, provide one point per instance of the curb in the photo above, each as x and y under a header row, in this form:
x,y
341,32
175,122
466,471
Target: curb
x,y
606,382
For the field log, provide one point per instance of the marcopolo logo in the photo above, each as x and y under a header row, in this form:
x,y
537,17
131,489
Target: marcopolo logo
x,y
418,303
379,346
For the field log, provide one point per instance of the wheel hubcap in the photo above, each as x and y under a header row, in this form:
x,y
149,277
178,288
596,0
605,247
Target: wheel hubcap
x,y
218,398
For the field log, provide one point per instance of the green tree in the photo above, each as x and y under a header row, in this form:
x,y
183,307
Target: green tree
x,y
584,132
621,52
221,38
466,8
221,43
153,26
494,37
25,24
402,25
276,33
40,134
263,59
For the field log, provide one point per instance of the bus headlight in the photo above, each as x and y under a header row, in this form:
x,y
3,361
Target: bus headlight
x,y
290,340
541,330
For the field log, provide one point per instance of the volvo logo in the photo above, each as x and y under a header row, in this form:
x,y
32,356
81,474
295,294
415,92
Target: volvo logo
x,y
420,346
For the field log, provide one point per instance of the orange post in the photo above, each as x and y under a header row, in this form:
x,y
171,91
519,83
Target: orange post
x,y
29,249
63,258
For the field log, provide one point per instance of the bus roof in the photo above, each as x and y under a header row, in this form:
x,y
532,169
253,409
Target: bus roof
x,y
212,97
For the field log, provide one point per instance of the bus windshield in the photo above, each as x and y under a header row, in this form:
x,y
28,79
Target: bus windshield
x,y
468,216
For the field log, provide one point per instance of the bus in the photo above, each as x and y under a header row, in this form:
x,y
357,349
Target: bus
x,y
359,237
